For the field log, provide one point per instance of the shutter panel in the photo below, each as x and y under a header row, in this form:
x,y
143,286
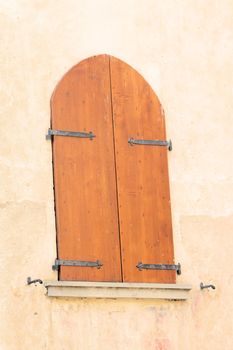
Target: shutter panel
x,y
84,173
142,177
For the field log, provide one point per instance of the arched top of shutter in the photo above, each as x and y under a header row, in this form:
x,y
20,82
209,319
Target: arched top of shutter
x,y
98,58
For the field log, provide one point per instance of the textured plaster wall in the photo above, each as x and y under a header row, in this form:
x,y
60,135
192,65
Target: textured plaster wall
x,y
185,51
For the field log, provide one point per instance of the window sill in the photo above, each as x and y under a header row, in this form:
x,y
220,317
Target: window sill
x,y
115,290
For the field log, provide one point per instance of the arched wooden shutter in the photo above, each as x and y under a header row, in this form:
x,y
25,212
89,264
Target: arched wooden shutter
x,y
111,189
84,173
142,176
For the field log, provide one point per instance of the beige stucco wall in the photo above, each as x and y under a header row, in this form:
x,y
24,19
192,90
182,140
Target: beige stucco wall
x,y
184,48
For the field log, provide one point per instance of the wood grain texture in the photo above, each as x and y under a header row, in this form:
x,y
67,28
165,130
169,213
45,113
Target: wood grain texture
x,y
142,177
84,173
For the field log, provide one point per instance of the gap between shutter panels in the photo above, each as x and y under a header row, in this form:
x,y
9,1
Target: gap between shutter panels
x,y
115,168
135,201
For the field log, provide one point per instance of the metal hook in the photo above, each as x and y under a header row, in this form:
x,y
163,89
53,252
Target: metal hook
x,y
30,281
202,286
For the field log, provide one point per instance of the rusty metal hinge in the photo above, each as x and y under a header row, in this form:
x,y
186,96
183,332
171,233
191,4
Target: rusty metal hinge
x,y
167,144
142,266
79,263
86,135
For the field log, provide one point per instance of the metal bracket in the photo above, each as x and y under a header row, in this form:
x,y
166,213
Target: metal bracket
x,y
86,135
78,263
167,144
202,286
142,266
30,281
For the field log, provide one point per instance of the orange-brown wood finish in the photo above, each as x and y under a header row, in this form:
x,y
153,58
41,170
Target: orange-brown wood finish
x,y
112,198
84,173
142,177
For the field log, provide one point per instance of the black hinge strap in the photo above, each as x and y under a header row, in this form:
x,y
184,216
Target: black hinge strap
x,y
79,263
86,135
167,144
142,266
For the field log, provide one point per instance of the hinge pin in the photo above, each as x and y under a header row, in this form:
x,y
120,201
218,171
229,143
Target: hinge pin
x,y
202,286
30,281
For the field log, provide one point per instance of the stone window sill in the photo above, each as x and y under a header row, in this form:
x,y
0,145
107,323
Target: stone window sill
x,y
115,290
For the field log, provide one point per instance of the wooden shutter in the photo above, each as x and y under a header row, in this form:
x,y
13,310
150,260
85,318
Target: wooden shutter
x,y
84,173
142,177
107,188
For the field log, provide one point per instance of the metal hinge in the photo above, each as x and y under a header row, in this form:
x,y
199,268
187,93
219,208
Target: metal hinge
x,y
79,263
86,135
142,266
167,144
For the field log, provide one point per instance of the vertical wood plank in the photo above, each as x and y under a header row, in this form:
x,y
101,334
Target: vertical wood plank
x,y
142,177
84,173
